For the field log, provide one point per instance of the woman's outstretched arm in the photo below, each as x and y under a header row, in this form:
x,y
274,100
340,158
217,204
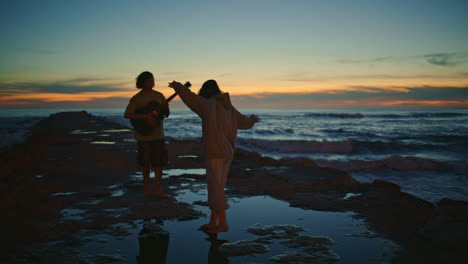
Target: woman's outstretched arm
x,y
196,103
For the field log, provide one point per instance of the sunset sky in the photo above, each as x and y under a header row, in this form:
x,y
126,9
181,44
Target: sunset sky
x,y
271,53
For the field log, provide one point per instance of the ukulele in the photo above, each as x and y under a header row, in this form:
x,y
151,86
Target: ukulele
x,y
144,126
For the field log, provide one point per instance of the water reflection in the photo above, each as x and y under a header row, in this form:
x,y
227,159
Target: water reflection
x,y
189,245
214,257
153,240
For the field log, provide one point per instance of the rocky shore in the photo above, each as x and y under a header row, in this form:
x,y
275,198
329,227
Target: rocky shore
x,y
76,160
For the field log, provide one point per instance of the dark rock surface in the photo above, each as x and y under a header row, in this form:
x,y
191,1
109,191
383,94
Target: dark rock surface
x,y
449,226
63,166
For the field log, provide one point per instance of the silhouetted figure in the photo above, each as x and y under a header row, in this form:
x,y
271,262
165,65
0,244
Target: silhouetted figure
x,y
154,242
214,257
220,122
152,151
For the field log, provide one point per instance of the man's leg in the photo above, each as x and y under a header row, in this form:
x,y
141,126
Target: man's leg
x,y
144,161
158,179
146,180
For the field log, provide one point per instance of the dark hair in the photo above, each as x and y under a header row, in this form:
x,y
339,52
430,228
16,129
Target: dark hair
x,y
209,88
140,80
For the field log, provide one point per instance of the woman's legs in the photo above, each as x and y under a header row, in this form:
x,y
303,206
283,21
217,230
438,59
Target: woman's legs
x,y
222,224
213,220
216,172
218,222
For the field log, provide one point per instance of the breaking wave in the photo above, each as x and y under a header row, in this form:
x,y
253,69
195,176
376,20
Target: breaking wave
x,y
395,162
335,115
390,116
349,146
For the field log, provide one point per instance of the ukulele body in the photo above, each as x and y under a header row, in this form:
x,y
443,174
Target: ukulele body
x,y
146,128
141,125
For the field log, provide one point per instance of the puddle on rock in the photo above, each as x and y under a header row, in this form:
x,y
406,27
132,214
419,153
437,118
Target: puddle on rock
x,y
82,132
116,130
187,156
138,176
318,229
63,193
72,214
349,195
178,172
92,202
117,193
117,212
102,142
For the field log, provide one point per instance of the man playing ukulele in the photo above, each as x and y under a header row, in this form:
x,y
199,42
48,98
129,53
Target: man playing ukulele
x,y
152,151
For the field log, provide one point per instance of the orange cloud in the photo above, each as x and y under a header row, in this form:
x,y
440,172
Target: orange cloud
x,y
60,97
460,103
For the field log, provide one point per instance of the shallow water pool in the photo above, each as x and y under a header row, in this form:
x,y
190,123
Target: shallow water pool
x,y
354,243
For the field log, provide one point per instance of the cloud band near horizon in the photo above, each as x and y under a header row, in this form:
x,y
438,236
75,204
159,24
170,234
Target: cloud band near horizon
x,y
92,93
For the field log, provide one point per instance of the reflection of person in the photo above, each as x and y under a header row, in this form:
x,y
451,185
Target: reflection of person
x,y
152,150
213,255
220,121
153,240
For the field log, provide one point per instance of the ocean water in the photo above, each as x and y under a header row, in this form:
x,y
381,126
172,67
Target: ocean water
x,y
424,151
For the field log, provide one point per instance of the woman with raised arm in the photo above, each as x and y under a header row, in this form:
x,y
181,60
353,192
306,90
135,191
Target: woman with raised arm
x,y
220,122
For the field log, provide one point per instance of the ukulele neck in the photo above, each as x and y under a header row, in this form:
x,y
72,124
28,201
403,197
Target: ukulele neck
x,y
187,84
171,97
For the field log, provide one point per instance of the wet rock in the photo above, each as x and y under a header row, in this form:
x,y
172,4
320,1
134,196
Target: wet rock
x,y
391,212
410,163
316,243
393,162
449,226
110,258
264,240
153,230
387,186
276,231
298,162
312,176
323,256
201,203
154,242
292,257
329,200
242,248
241,154
367,234
187,218
317,257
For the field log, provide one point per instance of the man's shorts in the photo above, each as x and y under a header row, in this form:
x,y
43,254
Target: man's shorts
x,y
152,153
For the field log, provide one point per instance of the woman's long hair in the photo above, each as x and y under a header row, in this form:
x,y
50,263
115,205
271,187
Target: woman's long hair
x,y
209,88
